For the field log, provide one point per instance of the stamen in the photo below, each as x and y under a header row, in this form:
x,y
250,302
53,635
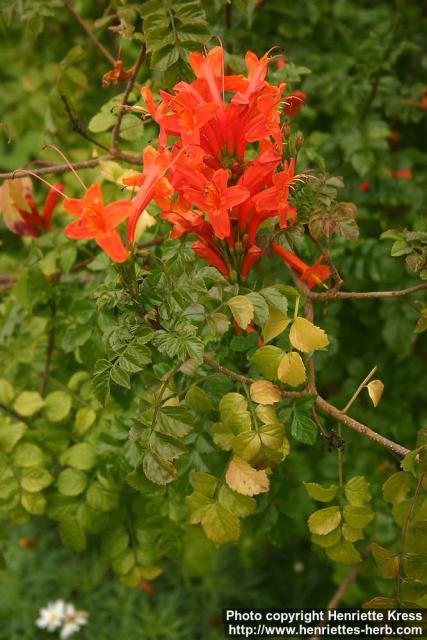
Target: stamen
x,y
68,163
35,175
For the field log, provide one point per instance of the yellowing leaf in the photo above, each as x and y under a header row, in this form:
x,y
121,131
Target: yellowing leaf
x,y
306,336
375,389
291,369
219,524
244,479
324,521
265,392
242,310
276,323
28,403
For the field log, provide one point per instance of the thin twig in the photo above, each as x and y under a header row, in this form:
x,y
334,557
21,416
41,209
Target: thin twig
x,y
63,168
361,428
89,32
363,295
129,87
359,389
77,126
323,405
245,379
12,412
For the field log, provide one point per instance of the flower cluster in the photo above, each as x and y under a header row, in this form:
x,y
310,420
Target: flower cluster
x,y
212,189
224,164
61,614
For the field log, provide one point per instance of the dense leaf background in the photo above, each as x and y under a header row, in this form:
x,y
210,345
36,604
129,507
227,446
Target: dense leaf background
x,y
363,67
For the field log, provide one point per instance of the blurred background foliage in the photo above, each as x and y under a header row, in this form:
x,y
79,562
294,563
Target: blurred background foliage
x,y
363,68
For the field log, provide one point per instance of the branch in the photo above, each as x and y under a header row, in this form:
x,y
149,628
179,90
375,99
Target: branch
x,y
245,379
394,447
129,86
63,168
77,126
89,32
362,295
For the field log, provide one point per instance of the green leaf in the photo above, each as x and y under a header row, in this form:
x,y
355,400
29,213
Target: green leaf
x,y
28,403
236,503
358,517
6,392
157,469
35,479
174,421
260,308
28,455
198,400
319,492
396,487
351,534
72,482
58,405
34,503
276,299
324,521
102,121
328,540
232,403
344,552
357,491
84,419
219,524
101,498
387,561
266,360
79,456
303,428
10,434
115,542
120,377
72,534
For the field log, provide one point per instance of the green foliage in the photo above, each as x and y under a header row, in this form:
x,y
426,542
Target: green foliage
x,y
124,444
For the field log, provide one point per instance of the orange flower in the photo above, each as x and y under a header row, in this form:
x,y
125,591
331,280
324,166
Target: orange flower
x,y
98,222
310,275
116,74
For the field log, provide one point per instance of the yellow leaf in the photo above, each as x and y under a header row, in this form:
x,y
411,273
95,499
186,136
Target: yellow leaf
x,y
375,389
306,336
242,310
265,392
291,369
244,479
276,323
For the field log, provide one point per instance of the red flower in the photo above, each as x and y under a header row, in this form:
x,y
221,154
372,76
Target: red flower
x,y
276,197
403,174
294,103
98,222
20,213
216,199
153,186
202,250
364,186
310,275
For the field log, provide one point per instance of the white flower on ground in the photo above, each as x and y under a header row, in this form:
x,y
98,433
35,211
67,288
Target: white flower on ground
x,y
51,617
72,621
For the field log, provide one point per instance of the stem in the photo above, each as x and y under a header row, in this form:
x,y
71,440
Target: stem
x,y
361,428
89,32
359,389
63,168
129,87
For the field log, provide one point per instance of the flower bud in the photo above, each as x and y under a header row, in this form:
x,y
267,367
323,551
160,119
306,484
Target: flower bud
x,y
286,131
299,141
